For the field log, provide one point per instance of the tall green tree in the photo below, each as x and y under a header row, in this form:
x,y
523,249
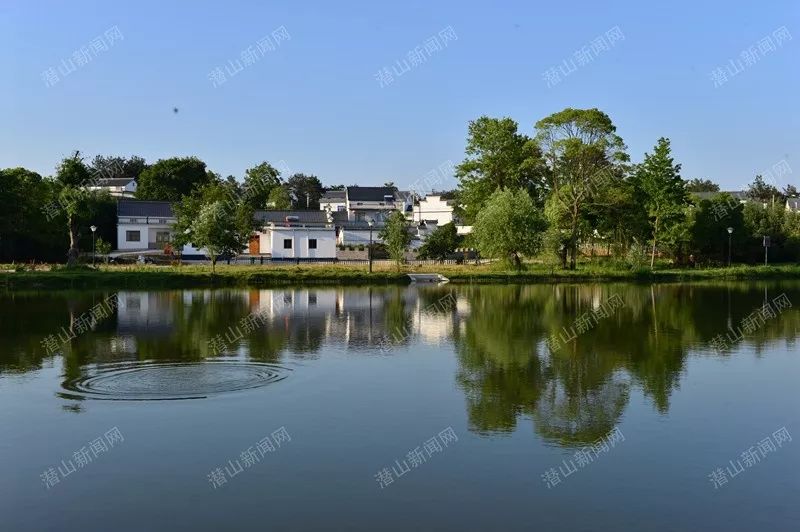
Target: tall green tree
x,y
305,191
510,225
442,242
113,167
701,185
279,199
221,230
171,179
259,182
396,236
498,157
761,191
72,175
662,190
583,154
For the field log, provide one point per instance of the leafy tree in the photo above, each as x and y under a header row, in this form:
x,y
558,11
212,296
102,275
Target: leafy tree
x,y
659,183
790,191
71,175
762,192
279,199
701,185
709,234
220,229
113,167
498,157
396,236
259,182
103,248
305,191
171,179
584,154
442,242
25,233
508,226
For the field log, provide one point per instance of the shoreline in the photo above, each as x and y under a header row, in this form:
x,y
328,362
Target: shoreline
x,y
249,276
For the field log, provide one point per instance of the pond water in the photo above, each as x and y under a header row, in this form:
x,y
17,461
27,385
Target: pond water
x,y
532,407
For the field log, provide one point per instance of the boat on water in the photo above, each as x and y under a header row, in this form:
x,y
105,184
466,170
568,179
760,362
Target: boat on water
x,y
428,278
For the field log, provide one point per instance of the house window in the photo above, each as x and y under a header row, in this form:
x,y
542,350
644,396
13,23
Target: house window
x,y
287,243
162,237
132,236
312,243
341,208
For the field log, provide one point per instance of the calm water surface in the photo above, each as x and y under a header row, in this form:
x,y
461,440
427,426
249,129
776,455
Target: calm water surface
x,y
615,426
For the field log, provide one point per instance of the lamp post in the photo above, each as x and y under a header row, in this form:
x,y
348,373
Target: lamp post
x,y
370,223
730,232
93,228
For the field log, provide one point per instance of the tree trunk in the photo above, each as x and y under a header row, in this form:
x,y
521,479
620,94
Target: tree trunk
x,y
213,264
72,253
517,262
653,254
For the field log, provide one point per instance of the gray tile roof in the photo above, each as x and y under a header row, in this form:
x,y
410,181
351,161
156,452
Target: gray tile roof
x,y
136,208
333,195
113,182
303,217
370,193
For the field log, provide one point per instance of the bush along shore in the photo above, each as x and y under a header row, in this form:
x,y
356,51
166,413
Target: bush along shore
x,y
155,277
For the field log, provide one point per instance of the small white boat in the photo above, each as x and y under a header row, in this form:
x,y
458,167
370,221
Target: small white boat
x,y
428,278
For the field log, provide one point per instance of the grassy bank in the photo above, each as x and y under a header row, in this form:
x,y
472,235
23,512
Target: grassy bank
x,y
146,277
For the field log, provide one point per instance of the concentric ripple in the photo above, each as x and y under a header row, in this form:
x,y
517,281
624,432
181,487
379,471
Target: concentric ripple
x,y
143,381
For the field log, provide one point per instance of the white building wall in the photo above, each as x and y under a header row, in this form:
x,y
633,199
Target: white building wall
x,y
147,235
326,242
433,208
358,237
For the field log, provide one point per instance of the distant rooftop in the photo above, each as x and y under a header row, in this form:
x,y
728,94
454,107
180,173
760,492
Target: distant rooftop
x,y
112,182
136,208
333,195
302,217
370,193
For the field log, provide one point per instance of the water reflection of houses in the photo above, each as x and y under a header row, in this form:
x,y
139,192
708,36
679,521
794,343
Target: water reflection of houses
x,y
146,313
307,317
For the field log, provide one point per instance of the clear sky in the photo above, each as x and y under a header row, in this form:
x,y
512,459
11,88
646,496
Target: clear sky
x,y
315,102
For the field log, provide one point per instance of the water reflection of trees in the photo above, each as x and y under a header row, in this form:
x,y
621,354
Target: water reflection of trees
x,y
572,395
578,392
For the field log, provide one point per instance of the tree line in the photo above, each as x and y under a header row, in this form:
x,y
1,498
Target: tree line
x,y
570,189
567,190
42,216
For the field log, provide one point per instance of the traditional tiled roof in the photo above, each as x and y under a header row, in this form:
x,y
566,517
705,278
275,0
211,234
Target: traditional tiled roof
x,y
113,182
136,208
302,217
370,193
333,195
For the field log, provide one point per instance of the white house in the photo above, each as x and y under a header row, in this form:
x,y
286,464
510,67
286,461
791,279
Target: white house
x,y
334,201
375,203
147,225
433,207
295,235
793,204
123,187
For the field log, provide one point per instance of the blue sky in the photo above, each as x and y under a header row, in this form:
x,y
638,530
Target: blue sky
x,y
314,101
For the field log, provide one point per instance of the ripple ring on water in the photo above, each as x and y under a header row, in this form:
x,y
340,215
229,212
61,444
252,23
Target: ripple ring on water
x,y
148,381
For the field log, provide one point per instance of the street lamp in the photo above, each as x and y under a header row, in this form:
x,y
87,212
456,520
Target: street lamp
x,y
93,228
370,223
730,232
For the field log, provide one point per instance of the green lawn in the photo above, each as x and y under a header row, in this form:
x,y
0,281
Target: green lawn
x,y
200,276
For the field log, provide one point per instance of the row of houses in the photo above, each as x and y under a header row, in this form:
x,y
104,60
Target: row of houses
x,y
792,204
348,218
